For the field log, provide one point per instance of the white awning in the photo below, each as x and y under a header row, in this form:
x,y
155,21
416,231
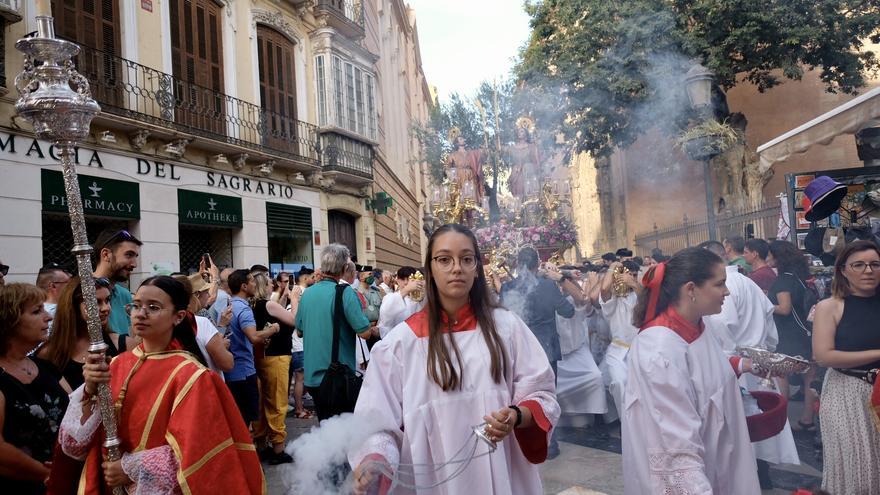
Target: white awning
x,y
849,118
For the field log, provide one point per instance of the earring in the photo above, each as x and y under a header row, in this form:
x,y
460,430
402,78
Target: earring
x,y
693,299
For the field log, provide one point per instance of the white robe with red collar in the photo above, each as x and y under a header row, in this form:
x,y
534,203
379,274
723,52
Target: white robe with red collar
x,y
420,423
683,424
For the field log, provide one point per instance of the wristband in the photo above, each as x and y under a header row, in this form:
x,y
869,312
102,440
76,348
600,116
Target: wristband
x,y
518,415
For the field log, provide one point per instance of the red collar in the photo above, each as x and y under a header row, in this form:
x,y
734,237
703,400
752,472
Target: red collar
x,y
672,320
465,321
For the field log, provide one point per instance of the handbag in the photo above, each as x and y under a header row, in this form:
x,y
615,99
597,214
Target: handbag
x,y
341,385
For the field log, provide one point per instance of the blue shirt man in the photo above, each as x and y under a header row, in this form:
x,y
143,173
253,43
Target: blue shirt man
x,y
239,345
117,252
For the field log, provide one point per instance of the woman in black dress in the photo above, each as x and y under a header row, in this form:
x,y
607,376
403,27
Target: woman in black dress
x,y
847,341
790,315
68,345
32,401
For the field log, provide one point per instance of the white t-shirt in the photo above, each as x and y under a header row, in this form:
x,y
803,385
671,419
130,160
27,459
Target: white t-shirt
x,y
206,332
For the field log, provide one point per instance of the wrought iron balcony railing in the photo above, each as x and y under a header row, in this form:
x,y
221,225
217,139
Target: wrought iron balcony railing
x,y
132,90
351,11
347,155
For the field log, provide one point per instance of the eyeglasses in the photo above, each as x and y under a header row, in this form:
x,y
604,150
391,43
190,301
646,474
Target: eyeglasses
x,y
102,282
446,263
862,266
122,234
4,269
149,309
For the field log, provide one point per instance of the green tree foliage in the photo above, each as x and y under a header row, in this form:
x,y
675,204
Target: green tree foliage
x,y
611,69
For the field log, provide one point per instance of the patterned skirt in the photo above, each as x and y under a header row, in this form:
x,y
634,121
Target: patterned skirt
x,y
851,441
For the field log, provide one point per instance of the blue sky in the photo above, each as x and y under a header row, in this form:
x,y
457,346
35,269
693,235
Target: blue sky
x,y
464,42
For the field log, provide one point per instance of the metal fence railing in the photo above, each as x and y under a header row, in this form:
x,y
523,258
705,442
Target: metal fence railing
x,y
758,222
345,154
132,90
352,10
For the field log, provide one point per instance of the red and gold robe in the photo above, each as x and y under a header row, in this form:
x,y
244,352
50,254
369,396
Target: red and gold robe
x,y
170,399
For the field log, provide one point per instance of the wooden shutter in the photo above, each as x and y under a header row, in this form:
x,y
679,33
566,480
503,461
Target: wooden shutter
x,y
93,25
277,87
197,63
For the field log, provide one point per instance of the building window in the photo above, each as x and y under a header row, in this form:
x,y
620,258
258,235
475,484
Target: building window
x,y
371,106
339,93
351,104
350,97
322,90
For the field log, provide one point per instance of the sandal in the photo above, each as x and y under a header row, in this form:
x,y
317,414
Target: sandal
x,y
806,426
305,414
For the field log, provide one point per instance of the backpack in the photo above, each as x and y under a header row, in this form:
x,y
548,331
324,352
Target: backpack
x,y
809,299
374,300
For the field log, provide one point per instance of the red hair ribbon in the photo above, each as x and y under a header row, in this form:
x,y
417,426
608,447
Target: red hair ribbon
x,y
652,282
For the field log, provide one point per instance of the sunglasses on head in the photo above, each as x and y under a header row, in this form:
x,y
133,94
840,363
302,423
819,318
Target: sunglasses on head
x,y
122,234
102,282
4,269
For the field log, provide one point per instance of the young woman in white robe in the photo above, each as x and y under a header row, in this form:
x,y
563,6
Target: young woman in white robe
x,y
452,366
683,424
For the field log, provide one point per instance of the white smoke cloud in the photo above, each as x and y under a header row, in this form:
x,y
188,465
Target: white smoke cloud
x,y
325,446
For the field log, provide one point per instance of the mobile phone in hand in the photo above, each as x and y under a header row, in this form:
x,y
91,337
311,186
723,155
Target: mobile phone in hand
x,y
207,258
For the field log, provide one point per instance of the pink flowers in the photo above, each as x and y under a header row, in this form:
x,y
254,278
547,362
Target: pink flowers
x,y
560,233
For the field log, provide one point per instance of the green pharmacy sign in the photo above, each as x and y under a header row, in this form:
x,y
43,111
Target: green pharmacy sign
x,y
197,208
100,197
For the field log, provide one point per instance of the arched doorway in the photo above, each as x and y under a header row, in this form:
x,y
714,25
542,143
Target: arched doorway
x,y
341,227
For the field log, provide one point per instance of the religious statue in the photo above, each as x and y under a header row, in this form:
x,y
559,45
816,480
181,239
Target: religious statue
x,y
464,167
525,161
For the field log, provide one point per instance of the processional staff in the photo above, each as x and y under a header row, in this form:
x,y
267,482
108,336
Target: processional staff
x,y
56,100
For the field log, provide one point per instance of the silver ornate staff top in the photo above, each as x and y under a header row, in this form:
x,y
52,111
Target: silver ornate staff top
x,y
55,98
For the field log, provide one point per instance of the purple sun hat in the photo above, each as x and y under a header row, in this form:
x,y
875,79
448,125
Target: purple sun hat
x,y
825,195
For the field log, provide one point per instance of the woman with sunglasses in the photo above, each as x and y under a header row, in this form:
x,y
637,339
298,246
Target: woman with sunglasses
x,y
683,423
846,339
178,425
68,345
459,362
32,401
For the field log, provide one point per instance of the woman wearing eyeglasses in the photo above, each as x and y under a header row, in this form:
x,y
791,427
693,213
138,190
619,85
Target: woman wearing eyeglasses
x,y
846,339
178,424
69,343
32,401
459,362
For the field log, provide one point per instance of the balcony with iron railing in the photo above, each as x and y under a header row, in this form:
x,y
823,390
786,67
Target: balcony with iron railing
x,y
134,91
346,16
347,158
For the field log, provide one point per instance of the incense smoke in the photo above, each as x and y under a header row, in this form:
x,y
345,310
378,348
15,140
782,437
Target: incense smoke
x,y
317,453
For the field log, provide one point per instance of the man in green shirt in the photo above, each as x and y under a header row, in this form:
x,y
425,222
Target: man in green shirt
x,y
733,249
117,252
314,322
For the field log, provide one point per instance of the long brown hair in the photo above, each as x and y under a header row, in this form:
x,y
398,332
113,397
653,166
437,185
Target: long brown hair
x,y
440,365
68,324
839,284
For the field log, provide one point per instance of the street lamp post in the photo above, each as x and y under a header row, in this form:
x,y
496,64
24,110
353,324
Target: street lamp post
x,y
55,98
699,89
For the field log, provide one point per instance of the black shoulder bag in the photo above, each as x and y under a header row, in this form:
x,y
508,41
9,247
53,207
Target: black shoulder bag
x,y
341,384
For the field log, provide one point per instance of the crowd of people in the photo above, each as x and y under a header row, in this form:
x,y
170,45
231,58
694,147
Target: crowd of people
x,y
203,369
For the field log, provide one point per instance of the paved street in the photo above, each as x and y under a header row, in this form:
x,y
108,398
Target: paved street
x,y
590,463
